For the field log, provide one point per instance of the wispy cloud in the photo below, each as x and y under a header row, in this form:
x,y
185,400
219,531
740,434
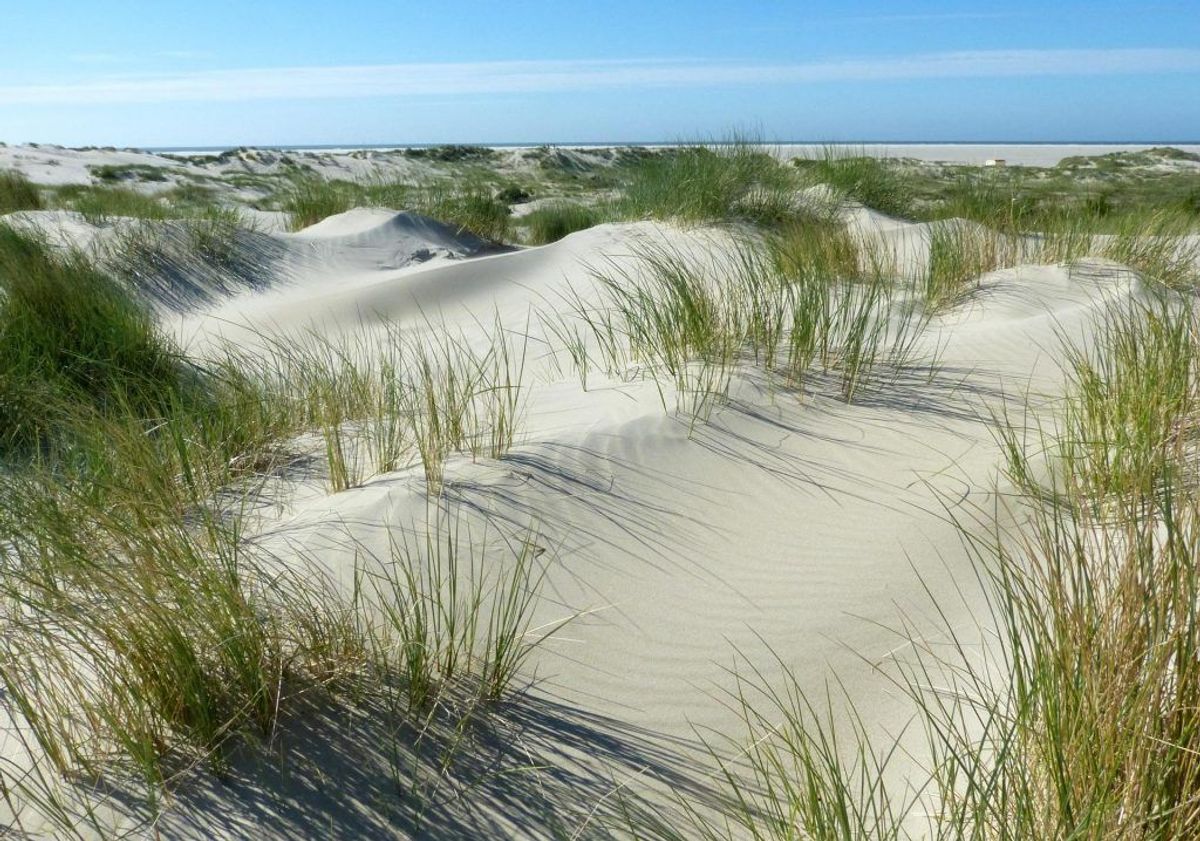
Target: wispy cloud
x,y
138,58
455,79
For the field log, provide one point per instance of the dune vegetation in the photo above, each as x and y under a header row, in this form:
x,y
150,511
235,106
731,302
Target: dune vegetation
x,y
154,634
553,222
17,193
142,635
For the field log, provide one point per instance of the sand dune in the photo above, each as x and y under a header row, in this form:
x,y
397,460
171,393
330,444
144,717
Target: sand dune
x,y
791,524
796,519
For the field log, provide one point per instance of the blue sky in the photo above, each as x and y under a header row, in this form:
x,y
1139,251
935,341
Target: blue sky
x,y
391,71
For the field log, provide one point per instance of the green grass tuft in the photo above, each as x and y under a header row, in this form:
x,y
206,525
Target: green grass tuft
x,y
723,182
553,222
310,200
877,183
17,193
470,207
958,254
70,336
101,205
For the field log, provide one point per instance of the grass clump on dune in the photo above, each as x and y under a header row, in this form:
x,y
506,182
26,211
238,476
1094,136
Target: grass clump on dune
x,y
958,254
472,208
717,183
878,184
819,247
1105,688
1134,409
182,263
471,205
444,616
114,173
70,337
1161,246
142,642
310,200
381,406
17,193
1094,731
100,205
1080,720
553,222
145,635
1099,718
808,301
1000,204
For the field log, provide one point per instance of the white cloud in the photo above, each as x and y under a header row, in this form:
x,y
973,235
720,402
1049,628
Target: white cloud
x,y
357,81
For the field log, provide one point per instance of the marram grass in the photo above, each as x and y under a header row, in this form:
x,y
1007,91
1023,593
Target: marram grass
x,y
1074,712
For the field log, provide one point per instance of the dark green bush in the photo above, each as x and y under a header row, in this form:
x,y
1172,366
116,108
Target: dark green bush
x,y
451,153
514,194
128,172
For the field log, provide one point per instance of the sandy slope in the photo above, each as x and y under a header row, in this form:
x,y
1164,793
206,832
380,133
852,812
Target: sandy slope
x,y
58,165
795,521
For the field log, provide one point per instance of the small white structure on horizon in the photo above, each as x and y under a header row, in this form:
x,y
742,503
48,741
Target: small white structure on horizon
x,y
995,162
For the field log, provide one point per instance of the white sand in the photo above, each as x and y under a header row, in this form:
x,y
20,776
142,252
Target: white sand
x,y
813,525
58,165
810,524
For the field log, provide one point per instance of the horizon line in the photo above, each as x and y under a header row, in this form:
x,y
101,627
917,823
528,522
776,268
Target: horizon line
x,y
493,144
652,143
